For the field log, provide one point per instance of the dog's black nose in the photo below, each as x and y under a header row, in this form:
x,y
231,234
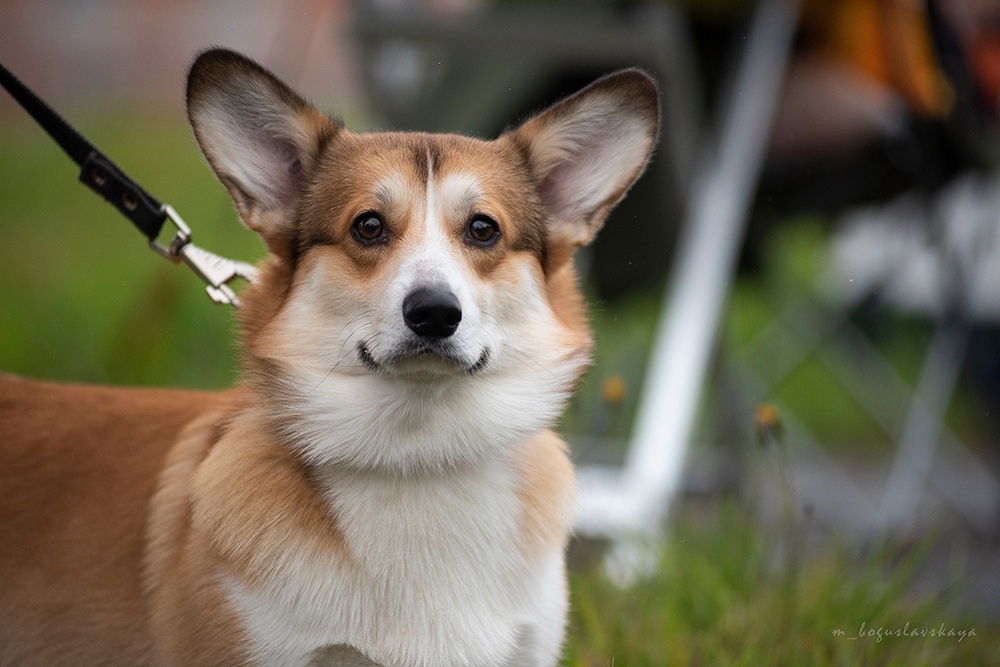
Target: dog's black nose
x,y
432,312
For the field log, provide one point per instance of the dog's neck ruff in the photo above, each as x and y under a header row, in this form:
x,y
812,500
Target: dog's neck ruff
x,y
384,422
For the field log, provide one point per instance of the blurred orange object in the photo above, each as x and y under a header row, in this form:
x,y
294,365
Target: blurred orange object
x,y
889,41
862,67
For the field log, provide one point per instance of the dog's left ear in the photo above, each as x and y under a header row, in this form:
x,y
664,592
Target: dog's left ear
x,y
260,137
587,150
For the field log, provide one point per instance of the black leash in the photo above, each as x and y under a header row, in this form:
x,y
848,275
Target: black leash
x,y
104,177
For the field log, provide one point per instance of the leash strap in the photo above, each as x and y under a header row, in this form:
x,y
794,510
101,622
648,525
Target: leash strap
x,y
104,177
97,171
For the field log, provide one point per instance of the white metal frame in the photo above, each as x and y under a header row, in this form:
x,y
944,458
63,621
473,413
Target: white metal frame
x,y
634,500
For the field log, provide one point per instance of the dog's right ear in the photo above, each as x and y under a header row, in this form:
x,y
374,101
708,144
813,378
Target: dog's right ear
x,y
260,137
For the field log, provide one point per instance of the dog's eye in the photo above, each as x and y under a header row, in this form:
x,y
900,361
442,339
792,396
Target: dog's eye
x,y
483,231
368,228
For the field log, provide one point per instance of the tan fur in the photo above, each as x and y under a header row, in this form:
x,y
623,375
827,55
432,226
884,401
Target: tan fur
x,y
78,466
136,522
547,483
229,493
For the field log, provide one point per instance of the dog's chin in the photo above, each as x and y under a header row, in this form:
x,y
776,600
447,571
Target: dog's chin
x,y
422,361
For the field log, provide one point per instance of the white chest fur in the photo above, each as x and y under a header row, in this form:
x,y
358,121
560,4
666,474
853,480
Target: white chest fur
x,y
435,574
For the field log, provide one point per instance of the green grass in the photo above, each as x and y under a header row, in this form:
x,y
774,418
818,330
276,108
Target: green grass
x,y
729,591
81,295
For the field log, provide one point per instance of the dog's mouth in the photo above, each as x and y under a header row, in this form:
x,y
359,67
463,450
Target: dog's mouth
x,y
423,358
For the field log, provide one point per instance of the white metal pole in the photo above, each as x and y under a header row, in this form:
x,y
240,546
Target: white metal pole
x,y
711,236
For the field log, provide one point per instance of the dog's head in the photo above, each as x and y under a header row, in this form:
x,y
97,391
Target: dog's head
x,y
420,305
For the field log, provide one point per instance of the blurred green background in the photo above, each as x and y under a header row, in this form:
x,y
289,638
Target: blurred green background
x,y
81,295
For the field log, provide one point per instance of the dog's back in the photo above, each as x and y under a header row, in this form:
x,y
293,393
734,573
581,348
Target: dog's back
x,y
78,466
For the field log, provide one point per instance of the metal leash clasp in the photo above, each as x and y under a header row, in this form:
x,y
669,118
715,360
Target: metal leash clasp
x,y
217,272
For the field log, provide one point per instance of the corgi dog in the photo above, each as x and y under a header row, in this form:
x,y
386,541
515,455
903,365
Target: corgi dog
x,y
383,488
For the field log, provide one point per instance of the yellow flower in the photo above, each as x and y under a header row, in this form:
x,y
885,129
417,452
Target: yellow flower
x,y
614,389
767,420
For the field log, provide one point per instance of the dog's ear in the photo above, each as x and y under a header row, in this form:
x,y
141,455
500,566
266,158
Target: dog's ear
x,y
261,139
588,149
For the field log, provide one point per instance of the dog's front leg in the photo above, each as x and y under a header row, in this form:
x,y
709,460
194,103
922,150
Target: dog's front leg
x,y
535,648
540,640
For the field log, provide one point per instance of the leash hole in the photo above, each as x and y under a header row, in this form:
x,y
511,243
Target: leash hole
x,y
98,176
129,201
